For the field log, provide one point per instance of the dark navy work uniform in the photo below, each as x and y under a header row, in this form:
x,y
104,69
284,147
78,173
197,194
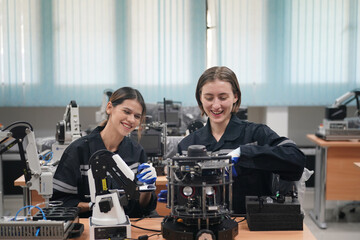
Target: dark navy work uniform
x,y
263,152
71,184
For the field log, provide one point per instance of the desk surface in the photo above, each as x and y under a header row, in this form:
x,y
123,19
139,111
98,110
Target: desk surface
x,y
357,164
244,232
161,181
20,181
155,223
323,143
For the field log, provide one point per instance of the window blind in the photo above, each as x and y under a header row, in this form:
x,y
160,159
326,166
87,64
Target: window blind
x,y
56,51
286,53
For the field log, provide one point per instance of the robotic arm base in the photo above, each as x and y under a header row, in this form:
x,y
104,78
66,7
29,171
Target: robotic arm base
x,y
108,211
120,231
109,219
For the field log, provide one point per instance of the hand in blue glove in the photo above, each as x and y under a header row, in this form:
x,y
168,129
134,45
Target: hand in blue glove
x,y
162,196
235,155
146,173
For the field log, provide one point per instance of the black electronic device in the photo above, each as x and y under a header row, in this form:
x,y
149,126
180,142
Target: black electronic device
x,y
152,139
58,213
268,213
151,142
335,113
172,117
199,195
169,112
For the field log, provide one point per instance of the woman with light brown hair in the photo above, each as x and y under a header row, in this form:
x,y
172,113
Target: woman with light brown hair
x,y
257,151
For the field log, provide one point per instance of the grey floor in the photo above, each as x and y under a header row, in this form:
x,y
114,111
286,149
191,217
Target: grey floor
x,y
338,229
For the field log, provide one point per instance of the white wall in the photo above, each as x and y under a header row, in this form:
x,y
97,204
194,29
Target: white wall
x,y
44,119
277,118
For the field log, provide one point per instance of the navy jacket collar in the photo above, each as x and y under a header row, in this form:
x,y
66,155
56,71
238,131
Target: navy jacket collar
x,y
232,129
96,143
229,135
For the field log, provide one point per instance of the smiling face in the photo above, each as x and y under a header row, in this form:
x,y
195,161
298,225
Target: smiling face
x,y
125,117
217,100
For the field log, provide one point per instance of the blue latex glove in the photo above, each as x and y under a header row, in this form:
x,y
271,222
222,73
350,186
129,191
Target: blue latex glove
x,y
235,156
162,196
146,173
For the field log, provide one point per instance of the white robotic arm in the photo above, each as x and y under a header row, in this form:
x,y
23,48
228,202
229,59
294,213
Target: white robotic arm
x,y
68,129
37,177
347,98
108,213
41,176
337,111
339,101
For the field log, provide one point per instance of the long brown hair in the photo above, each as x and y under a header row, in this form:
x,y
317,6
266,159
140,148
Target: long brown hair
x,y
223,74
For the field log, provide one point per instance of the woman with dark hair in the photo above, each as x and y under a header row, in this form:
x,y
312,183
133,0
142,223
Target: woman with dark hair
x,y
126,110
257,151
